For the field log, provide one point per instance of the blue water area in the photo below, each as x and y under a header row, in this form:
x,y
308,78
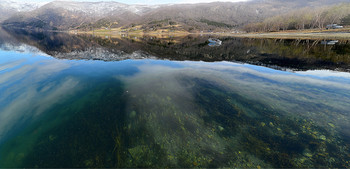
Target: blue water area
x,y
163,113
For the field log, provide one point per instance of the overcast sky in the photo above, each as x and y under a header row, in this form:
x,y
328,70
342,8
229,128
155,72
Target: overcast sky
x,y
150,2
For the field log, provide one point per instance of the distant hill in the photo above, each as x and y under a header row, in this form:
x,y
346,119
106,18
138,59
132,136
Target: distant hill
x,y
63,15
9,8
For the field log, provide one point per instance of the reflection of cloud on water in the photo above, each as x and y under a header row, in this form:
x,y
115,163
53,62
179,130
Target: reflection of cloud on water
x,y
9,65
280,76
14,75
269,76
260,81
22,48
26,92
325,73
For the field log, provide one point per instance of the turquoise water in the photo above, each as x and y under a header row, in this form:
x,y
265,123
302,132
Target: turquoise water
x,y
167,113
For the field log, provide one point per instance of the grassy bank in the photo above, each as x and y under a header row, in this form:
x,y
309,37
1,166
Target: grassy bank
x,y
333,34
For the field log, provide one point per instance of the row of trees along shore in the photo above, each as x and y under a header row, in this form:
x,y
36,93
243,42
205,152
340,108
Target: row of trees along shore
x,y
304,18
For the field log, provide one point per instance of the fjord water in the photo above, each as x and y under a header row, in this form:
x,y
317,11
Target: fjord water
x,y
125,101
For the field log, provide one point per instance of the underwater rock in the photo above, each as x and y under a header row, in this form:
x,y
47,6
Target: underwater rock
x,y
133,114
139,151
52,137
332,125
307,153
322,137
293,133
89,163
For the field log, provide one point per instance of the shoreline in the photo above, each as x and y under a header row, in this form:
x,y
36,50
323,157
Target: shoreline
x,y
311,36
343,34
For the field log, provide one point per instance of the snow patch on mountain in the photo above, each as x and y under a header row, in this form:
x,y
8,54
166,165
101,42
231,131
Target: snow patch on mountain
x,y
20,6
100,8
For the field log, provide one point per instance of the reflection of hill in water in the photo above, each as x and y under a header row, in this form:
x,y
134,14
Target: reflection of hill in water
x,y
277,54
303,54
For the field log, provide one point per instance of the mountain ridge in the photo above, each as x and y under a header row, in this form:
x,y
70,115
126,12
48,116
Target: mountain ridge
x,y
9,7
66,15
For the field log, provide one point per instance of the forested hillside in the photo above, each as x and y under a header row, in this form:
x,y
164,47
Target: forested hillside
x,y
304,18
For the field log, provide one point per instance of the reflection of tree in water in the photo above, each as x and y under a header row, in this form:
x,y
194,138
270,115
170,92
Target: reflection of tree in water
x,y
48,42
274,53
302,54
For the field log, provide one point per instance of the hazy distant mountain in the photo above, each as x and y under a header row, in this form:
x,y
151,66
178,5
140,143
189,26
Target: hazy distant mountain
x,y
64,14
77,15
10,7
99,9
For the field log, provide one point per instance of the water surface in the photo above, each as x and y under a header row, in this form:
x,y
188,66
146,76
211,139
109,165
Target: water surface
x,y
89,101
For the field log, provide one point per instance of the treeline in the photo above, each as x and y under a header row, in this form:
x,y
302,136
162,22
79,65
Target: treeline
x,y
304,18
214,23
